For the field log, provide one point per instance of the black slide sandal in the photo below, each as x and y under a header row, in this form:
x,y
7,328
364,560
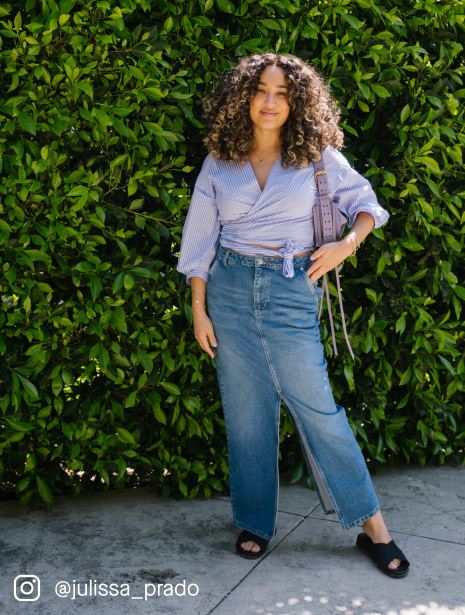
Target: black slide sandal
x,y
382,554
245,536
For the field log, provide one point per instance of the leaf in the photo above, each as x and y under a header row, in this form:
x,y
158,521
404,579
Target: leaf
x,y
87,88
4,226
270,24
18,21
19,425
447,364
168,359
118,283
159,414
119,322
412,244
389,178
429,162
145,360
68,430
125,436
103,118
84,267
352,21
44,491
406,376
119,160
380,90
432,186
369,121
171,388
154,93
120,127
400,324
78,191
349,375
29,387
103,356
128,281
95,286
168,25
181,96
57,385
404,114
226,6
27,123
63,19
371,294
130,400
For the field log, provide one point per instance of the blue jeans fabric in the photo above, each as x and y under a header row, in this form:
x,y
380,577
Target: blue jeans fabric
x,y
269,350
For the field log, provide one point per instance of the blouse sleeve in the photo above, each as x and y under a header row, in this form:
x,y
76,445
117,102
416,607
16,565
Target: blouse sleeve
x,y
200,236
351,191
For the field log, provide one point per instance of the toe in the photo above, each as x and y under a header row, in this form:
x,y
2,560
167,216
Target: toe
x,y
394,564
250,546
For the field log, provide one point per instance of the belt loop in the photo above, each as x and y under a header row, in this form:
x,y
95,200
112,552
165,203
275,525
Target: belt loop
x,y
225,259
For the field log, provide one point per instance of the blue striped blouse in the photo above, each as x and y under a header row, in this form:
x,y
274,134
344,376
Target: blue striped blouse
x,y
229,208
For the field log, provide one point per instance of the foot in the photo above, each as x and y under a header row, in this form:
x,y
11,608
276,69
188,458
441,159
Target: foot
x,y
250,546
376,529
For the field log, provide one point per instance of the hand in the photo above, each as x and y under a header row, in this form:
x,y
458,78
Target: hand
x,y
204,334
328,256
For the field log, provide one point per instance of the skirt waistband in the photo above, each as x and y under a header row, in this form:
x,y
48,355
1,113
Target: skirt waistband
x,y
226,255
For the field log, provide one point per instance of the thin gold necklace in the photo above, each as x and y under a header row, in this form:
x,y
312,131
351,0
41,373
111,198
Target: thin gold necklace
x,y
262,161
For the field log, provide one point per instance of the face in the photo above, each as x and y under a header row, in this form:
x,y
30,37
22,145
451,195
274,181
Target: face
x,y
269,107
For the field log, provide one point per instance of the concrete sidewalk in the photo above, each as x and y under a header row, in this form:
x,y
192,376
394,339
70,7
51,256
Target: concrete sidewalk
x,y
141,542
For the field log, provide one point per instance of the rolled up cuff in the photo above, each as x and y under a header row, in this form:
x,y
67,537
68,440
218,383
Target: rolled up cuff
x,y
197,274
380,215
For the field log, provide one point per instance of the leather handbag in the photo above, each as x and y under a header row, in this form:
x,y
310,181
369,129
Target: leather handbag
x,y
328,224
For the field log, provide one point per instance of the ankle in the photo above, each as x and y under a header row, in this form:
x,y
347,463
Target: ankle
x,y
376,528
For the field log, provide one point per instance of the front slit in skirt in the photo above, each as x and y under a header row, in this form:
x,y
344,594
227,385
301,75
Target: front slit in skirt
x,y
269,350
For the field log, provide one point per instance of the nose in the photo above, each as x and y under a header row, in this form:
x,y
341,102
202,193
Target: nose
x,y
269,98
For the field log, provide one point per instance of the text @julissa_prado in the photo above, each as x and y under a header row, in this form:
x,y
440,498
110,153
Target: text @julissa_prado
x,y
27,589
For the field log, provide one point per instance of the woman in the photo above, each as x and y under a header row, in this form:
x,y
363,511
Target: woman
x,y
249,235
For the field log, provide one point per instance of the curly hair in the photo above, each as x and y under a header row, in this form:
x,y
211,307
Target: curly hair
x,y
313,120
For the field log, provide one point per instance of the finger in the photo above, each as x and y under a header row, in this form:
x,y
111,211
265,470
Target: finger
x,y
313,268
317,254
316,267
315,273
205,346
208,340
212,338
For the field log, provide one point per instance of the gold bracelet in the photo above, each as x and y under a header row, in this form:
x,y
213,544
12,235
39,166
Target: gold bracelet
x,y
353,237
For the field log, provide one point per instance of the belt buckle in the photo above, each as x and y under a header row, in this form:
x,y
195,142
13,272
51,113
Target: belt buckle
x,y
320,173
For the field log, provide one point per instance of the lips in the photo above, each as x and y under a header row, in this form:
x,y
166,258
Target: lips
x,y
268,113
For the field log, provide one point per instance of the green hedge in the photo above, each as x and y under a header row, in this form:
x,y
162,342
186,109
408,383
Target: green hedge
x,y
100,138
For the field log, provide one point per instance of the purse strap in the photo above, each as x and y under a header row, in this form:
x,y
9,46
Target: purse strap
x,y
326,232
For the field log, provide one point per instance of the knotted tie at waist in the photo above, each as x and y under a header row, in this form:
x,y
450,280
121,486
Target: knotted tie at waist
x,y
290,248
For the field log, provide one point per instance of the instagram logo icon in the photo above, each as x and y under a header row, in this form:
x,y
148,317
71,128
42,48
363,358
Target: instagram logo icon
x,y
27,587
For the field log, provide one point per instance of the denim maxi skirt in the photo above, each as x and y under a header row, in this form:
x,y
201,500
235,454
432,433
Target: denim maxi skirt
x,y
269,350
